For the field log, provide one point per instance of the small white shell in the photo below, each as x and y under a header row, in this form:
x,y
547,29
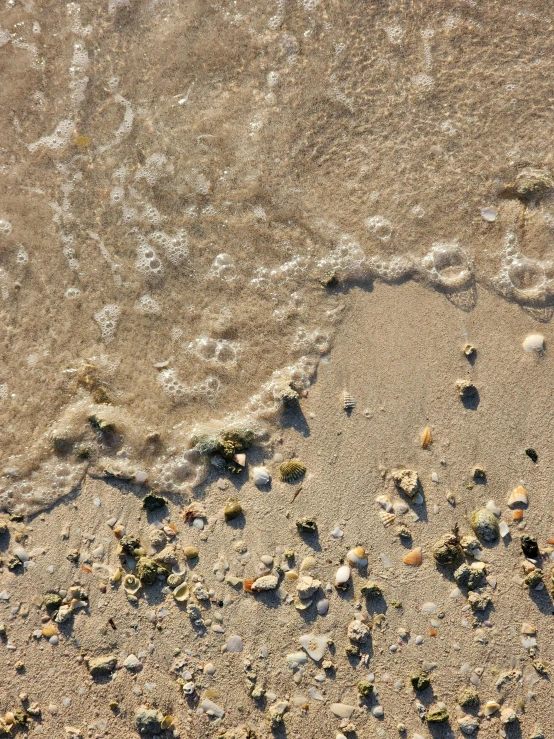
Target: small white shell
x,y
342,575
533,343
348,402
260,476
314,645
131,584
384,501
357,556
491,707
519,495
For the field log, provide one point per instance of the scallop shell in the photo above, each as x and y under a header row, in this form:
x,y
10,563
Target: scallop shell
x,y
357,556
348,402
386,518
342,576
291,470
181,592
426,438
131,584
413,558
518,497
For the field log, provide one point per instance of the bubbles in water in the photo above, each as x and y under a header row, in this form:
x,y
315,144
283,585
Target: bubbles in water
x,y
380,227
447,264
219,351
148,306
5,227
422,82
107,319
21,257
223,268
148,263
175,247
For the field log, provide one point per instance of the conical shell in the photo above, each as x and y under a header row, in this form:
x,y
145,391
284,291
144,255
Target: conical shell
x,y
181,592
518,497
414,557
291,470
357,556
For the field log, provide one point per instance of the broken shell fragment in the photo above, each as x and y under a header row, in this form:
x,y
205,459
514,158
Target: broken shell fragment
x,y
485,524
413,558
426,438
490,708
533,343
291,470
386,518
342,577
357,556
182,592
314,645
518,497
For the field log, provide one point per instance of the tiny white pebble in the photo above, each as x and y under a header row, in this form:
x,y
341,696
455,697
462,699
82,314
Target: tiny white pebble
x,y
97,502
434,477
54,640
393,648
489,214
419,639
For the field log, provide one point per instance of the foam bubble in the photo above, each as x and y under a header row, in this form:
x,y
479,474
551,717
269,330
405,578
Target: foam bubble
x,y
148,262
107,318
21,257
447,264
5,227
58,139
175,247
223,268
380,227
219,351
148,306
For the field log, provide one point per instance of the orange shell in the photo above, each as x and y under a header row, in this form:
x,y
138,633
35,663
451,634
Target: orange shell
x,y
426,438
517,515
414,557
247,585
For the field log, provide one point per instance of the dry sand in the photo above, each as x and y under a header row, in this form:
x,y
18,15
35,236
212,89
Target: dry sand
x,y
399,354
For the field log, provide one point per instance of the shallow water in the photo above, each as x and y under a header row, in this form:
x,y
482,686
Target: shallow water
x,y
179,179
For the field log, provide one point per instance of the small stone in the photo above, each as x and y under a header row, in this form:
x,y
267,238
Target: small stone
x,y
152,502
466,390
267,582
306,525
468,698
64,614
98,666
437,715
467,577
529,546
149,720
365,688
407,481
147,570
306,586
371,590
190,552
468,724
534,578
420,680
358,632
131,662
232,510
52,601
508,715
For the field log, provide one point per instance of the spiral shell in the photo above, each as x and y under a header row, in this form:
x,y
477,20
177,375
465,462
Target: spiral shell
x,y
131,584
291,470
357,556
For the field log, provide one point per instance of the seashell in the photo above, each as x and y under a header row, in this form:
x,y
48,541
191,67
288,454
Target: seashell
x,y
386,518
493,508
260,476
426,438
384,501
131,584
485,524
291,576
413,558
307,563
181,592
348,402
342,710
314,645
232,509
247,584
533,343
166,722
357,556
50,630
342,577
518,496
190,552
291,470
517,515
490,708
302,605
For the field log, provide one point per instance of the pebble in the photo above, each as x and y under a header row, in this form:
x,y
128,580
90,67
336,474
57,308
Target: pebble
x,y
234,643
489,214
342,710
322,606
533,343
377,711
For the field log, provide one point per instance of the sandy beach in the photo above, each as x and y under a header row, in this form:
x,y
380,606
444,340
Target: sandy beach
x,y
399,354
